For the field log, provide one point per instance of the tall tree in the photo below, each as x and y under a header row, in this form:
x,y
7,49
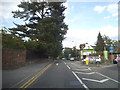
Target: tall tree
x,y
100,45
44,24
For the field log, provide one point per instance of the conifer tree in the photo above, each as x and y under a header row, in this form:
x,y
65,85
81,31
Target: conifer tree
x,y
100,43
44,23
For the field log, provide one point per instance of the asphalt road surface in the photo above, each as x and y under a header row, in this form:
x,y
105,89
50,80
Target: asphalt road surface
x,y
72,74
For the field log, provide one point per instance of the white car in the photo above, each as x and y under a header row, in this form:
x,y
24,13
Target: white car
x,y
83,61
63,58
92,59
97,60
72,59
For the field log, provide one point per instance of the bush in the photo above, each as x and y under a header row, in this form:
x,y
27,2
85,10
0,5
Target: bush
x,y
11,41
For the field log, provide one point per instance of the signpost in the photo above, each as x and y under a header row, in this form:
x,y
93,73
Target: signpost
x,y
105,55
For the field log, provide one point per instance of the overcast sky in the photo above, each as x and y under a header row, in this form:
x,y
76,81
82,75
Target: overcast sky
x,y
85,19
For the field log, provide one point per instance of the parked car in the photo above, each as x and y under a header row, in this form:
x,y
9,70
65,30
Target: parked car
x,y
116,60
97,60
84,60
63,58
92,60
72,59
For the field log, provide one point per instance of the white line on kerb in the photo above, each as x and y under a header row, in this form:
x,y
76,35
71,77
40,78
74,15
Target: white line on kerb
x,y
108,77
68,66
80,81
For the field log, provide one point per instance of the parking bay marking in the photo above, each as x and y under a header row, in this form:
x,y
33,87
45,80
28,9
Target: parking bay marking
x,y
82,69
85,73
108,77
80,81
99,81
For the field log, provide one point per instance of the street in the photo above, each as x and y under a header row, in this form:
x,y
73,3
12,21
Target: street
x,y
69,74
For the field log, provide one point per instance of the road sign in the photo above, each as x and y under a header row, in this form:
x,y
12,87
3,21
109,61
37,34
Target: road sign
x,y
111,49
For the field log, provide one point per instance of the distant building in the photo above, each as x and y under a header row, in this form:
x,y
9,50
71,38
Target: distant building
x,y
87,50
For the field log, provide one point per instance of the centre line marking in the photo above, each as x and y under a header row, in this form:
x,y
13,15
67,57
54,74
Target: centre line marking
x,y
30,81
80,81
68,66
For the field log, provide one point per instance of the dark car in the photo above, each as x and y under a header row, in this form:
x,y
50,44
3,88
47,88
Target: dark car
x,y
114,61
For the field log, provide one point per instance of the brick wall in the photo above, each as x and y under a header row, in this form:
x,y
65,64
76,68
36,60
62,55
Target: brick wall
x,y
13,58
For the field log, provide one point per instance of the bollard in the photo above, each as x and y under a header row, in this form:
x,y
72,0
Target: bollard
x,y
87,62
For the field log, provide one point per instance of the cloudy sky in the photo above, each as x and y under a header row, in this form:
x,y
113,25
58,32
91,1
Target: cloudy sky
x,y
85,19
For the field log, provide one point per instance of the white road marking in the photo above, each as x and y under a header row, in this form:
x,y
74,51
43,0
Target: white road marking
x,y
86,73
108,77
57,64
89,68
82,69
68,66
80,81
64,62
99,81
107,66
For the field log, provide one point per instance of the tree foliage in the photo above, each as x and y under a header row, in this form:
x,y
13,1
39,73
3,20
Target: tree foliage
x,y
100,43
10,41
44,26
67,51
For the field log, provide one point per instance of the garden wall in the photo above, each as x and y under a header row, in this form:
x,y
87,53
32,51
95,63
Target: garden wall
x,y
13,58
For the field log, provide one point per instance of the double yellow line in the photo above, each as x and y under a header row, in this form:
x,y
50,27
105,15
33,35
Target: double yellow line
x,y
30,81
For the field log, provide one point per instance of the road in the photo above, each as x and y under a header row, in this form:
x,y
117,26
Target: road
x,y
72,74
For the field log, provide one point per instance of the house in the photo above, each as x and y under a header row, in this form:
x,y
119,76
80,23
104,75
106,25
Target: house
x,y
87,50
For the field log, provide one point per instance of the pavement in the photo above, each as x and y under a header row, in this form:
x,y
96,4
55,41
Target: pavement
x,y
12,77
